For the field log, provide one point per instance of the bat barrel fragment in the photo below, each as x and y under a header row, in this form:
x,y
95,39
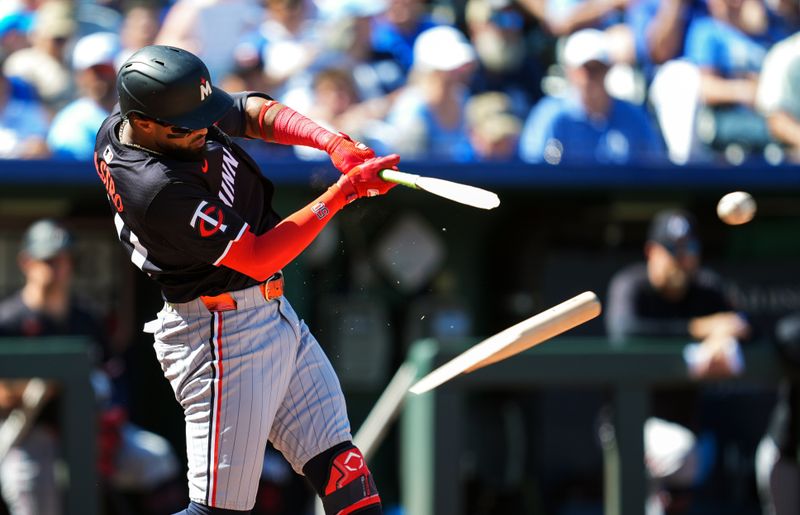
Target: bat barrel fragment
x,y
522,336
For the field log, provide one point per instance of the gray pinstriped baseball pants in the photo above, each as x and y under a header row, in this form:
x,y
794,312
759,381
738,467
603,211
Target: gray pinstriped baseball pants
x,y
243,377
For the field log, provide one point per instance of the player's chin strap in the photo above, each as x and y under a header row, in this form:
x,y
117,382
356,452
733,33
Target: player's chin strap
x,y
343,481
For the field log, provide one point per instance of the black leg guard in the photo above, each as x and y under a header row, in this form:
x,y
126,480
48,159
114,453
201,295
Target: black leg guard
x,y
341,478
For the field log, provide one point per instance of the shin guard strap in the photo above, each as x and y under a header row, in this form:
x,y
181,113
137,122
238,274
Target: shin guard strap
x,y
351,497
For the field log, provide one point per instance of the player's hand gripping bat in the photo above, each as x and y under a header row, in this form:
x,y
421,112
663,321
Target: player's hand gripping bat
x,y
469,195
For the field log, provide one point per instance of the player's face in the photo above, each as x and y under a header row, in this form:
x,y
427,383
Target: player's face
x,y
589,80
179,141
671,272
48,273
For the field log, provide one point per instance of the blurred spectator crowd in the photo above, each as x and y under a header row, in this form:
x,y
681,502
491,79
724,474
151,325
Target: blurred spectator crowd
x,y
543,81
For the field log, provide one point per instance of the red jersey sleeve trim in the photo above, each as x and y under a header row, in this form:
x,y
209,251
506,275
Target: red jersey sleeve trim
x,y
228,247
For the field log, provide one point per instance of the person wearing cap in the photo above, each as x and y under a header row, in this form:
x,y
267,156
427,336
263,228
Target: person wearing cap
x,y
138,463
41,307
586,124
492,126
194,212
427,119
44,64
671,296
74,127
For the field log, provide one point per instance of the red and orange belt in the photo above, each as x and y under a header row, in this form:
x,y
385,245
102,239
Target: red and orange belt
x,y
271,289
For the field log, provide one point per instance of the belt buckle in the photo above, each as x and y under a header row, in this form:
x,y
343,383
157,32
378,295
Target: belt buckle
x,y
217,303
272,288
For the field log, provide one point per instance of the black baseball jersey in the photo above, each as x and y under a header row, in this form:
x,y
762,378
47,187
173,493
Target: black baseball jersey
x,y
18,320
636,309
177,218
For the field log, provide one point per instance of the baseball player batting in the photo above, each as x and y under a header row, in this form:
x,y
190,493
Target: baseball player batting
x,y
194,212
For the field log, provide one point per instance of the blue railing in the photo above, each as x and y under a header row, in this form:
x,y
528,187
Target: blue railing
x,y
753,177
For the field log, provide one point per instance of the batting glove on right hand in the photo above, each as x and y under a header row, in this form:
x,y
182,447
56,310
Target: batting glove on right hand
x,y
347,153
364,181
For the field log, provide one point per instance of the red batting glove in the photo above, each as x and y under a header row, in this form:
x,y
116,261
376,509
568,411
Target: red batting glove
x,y
347,153
363,180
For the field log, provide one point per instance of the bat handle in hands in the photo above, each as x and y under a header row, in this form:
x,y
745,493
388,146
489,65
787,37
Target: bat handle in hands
x,y
365,179
409,180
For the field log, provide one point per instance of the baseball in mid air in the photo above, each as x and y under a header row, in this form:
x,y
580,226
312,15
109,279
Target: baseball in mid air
x,y
736,208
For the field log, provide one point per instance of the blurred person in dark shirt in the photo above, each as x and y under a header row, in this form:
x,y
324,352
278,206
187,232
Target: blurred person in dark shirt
x,y
40,308
131,461
671,296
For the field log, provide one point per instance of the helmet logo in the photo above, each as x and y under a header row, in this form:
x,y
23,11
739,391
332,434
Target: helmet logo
x,y
205,88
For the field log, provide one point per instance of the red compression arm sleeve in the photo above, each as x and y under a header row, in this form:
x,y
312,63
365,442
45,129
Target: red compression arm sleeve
x,y
261,256
292,128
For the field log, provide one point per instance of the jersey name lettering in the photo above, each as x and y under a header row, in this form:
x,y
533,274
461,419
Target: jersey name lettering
x,y
111,188
229,166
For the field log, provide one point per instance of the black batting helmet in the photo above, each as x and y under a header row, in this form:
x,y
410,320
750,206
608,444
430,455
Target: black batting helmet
x,y
172,86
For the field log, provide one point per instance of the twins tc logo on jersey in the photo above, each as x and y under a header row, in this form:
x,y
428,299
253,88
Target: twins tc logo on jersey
x,y
208,219
205,88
